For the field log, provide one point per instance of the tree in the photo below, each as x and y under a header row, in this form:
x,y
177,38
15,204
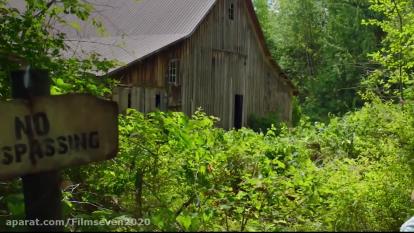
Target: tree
x,y
30,38
344,61
322,46
394,78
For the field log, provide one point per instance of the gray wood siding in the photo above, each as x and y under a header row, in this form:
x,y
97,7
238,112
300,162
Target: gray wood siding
x,y
226,60
222,58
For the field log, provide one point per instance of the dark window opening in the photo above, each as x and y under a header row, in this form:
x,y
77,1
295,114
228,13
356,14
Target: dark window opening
x,y
231,11
129,99
158,101
238,112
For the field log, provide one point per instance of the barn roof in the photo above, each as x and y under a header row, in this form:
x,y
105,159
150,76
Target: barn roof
x,y
135,29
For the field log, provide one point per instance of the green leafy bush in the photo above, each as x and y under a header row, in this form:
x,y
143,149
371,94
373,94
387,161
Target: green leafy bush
x,y
296,112
182,174
264,123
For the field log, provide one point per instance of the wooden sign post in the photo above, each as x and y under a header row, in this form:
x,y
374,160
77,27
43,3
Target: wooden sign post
x,y
42,195
41,134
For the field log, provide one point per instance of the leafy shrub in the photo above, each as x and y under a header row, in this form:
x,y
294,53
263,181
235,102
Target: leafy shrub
x,y
264,123
183,174
296,112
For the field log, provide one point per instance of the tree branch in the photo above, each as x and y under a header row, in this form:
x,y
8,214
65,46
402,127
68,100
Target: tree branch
x,y
48,5
185,205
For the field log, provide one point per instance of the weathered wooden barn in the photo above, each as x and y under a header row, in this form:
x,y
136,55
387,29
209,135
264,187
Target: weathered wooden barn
x,y
179,55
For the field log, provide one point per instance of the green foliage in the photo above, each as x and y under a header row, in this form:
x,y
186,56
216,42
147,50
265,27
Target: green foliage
x,y
183,174
264,123
296,112
351,173
29,38
323,48
394,76
345,44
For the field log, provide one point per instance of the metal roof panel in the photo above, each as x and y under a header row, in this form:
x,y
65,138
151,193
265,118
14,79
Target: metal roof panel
x,y
136,28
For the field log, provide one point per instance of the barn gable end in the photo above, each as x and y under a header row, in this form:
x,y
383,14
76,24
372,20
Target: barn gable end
x,y
228,60
224,68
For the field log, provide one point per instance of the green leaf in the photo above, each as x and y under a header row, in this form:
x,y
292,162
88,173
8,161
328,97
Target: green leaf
x,y
75,25
185,221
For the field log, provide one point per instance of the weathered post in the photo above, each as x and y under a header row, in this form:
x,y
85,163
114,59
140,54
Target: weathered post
x,y
41,135
42,194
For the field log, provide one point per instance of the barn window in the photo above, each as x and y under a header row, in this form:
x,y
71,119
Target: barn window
x,y
231,11
173,71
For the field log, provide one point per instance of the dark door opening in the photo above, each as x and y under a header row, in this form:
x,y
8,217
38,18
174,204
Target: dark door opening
x,y
129,99
158,101
238,112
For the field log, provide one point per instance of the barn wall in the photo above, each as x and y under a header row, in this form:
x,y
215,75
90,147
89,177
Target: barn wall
x,y
223,58
226,60
148,78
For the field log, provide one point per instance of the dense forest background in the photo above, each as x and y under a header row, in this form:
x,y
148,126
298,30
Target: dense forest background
x,y
341,53
345,165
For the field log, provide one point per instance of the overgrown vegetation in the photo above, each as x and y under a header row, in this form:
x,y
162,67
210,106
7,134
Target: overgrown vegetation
x,y
342,52
350,172
263,123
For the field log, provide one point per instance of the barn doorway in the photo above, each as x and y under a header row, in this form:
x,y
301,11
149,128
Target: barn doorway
x,y
158,101
238,111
